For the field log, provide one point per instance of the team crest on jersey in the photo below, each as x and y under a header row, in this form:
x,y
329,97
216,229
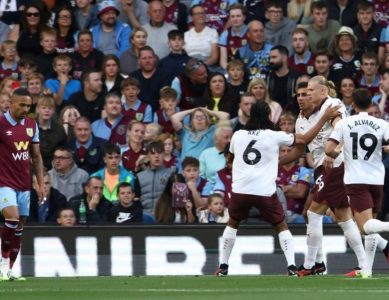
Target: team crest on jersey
x,y
121,129
29,132
5,200
8,133
243,42
310,69
139,116
93,152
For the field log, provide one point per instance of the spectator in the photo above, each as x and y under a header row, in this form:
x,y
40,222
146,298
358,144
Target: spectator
x,y
133,107
370,78
9,65
127,211
323,63
233,37
299,11
157,29
255,54
199,135
129,58
6,85
346,89
343,11
135,148
259,89
216,211
212,159
367,31
65,176
322,31
201,40
66,26
113,127
35,84
4,31
176,14
190,85
45,60
90,206
87,149
165,213
168,103
381,99
278,30
381,13
111,74
5,103
63,87
67,117
66,217
110,36
170,160
287,122
223,180
85,14
151,77
90,101
246,101
302,61
113,173
85,56
10,11
282,80
152,181
45,210
133,12
152,133
235,71
51,133
175,61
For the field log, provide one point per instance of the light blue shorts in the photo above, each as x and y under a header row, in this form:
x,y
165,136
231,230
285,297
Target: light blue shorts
x,y
10,197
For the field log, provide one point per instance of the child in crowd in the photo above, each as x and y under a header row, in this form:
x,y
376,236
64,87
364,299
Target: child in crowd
x,y
63,86
9,66
128,210
168,103
216,212
8,84
152,133
5,103
287,122
169,159
236,82
66,217
133,107
27,67
44,61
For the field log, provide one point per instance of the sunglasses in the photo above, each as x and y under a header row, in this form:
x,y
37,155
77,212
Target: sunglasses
x,y
195,66
36,15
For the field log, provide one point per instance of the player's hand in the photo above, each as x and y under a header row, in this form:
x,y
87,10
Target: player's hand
x,y
328,162
332,112
385,148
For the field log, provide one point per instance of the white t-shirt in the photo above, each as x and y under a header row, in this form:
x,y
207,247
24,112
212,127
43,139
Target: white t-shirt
x,y
362,136
199,44
316,146
255,166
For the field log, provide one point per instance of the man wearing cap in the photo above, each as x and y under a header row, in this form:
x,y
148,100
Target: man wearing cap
x,y
110,36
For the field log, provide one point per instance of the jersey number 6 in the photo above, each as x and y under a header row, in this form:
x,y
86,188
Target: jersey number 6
x,y
256,154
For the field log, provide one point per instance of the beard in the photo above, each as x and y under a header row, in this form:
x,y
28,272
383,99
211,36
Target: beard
x,y
275,66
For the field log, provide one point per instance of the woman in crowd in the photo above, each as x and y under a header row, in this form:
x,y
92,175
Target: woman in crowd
x,y
67,117
65,24
129,58
132,155
258,88
111,74
346,89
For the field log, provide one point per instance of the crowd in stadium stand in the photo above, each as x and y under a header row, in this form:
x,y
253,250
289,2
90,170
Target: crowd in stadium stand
x,y
136,101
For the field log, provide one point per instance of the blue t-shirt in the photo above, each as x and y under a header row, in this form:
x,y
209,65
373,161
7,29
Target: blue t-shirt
x,y
71,87
193,143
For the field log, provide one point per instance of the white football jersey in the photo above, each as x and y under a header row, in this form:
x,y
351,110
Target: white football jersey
x,y
316,146
256,154
362,135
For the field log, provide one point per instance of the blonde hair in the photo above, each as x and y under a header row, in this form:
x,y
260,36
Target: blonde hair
x,y
321,80
262,82
46,100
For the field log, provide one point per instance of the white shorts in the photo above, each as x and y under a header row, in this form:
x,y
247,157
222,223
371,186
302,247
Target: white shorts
x,y
10,197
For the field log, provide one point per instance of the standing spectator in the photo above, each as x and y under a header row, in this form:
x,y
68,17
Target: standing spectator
x,y
85,14
278,30
201,40
65,176
90,101
85,56
129,58
157,29
282,80
65,24
255,54
111,74
176,14
110,36
45,60
133,12
343,11
302,61
300,12
87,149
135,149
233,37
322,31
151,77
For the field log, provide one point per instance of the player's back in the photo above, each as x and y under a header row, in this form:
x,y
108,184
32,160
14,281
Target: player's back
x,y
362,135
255,165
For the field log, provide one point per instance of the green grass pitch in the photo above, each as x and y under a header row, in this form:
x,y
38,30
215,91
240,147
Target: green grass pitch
x,y
198,287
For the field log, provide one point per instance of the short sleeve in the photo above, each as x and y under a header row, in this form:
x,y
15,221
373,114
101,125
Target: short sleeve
x,y
337,133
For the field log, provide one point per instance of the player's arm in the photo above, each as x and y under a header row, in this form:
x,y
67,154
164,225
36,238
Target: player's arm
x,y
293,155
37,165
331,148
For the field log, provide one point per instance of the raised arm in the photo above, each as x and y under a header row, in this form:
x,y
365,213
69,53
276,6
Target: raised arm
x,y
221,115
178,117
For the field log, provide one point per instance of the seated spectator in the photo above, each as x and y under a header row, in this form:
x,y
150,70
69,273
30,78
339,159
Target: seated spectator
x,y
170,160
51,133
113,173
152,133
129,58
87,149
246,101
128,210
133,107
212,159
66,26
65,176
199,187
9,66
45,210
85,56
5,103
85,14
237,84
66,217
110,36
166,212
175,61
176,14
67,117
300,12
216,211
114,126
90,206
168,104
152,181
135,148
111,74
62,86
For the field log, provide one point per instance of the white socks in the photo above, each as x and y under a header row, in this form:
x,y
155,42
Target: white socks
x,y
229,237
374,226
354,239
381,243
371,242
314,238
287,245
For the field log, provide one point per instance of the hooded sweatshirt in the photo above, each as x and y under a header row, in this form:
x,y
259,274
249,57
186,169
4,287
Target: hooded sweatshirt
x,y
282,34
